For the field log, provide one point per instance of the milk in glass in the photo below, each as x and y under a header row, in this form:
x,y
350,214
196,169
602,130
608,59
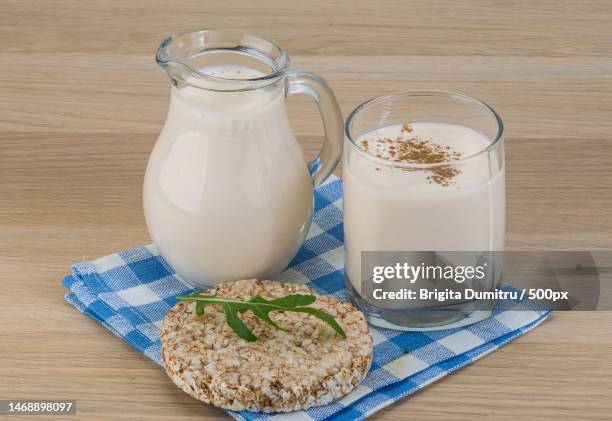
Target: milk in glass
x,y
394,208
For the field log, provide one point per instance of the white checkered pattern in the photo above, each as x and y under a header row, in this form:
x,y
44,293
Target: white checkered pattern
x,y
130,293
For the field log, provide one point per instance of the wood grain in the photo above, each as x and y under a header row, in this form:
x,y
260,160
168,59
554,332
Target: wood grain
x,y
82,101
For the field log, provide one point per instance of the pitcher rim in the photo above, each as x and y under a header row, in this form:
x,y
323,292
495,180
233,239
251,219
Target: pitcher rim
x,y
281,63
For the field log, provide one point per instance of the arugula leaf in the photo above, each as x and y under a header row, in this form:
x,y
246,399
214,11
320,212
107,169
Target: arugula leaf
x,y
236,323
293,300
261,308
200,308
200,305
326,317
263,314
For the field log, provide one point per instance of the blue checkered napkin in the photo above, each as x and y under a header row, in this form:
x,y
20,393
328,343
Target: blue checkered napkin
x,y
130,292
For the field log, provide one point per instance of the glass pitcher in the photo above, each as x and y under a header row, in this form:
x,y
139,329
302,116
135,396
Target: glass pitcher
x,y
227,193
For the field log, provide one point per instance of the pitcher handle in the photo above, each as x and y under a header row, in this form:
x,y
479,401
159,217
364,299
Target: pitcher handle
x,y
309,83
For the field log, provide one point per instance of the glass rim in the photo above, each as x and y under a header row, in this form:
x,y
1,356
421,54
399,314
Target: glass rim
x,y
446,94
281,62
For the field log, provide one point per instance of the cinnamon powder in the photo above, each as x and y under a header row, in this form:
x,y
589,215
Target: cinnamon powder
x,y
407,127
417,150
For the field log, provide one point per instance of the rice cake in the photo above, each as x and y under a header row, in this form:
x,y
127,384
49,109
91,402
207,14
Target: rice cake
x,y
306,365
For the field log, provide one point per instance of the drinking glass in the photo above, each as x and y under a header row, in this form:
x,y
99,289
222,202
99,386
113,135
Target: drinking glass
x,y
395,212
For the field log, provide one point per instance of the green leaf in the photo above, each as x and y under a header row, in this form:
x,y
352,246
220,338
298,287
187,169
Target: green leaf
x,y
261,308
236,323
200,307
291,301
261,311
326,317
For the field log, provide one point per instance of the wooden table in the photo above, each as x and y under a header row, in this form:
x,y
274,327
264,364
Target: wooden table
x,y
82,101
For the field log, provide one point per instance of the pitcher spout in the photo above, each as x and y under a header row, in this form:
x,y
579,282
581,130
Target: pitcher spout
x,y
195,59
